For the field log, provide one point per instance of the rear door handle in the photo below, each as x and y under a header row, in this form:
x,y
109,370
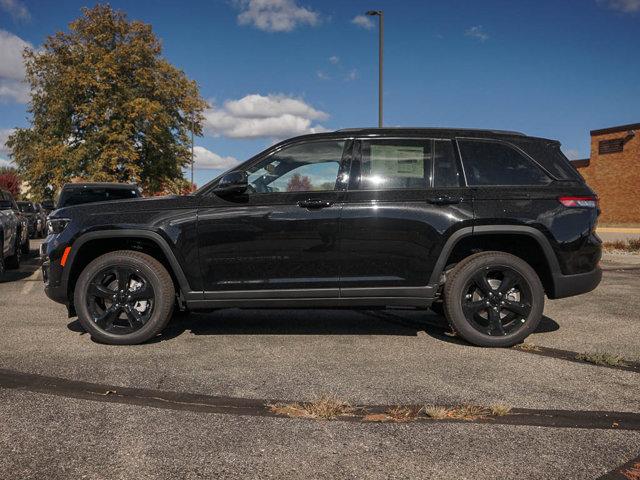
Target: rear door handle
x,y
314,204
444,200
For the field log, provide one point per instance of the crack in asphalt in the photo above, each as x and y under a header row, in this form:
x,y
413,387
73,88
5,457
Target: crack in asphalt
x,y
200,403
571,356
626,471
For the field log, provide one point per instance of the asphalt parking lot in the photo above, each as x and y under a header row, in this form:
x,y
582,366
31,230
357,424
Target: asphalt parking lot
x,y
188,405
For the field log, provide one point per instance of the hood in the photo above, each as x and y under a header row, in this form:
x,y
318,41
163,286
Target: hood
x,y
124,206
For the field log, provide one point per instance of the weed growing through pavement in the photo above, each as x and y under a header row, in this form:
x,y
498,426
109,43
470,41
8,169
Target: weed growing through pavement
x,y
630,246
527,347
602,358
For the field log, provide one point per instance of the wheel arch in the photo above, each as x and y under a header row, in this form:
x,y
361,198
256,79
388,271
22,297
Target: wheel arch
x,y
91,245
531,245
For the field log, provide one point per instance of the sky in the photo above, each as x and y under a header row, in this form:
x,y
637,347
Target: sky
x,y
273,69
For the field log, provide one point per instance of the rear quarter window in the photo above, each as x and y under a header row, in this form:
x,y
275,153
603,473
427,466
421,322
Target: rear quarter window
x,y
488,162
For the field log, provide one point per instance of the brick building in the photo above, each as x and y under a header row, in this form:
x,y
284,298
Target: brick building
x,y
613,171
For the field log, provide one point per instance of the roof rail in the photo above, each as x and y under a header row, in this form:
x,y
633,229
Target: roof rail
x,y
436,129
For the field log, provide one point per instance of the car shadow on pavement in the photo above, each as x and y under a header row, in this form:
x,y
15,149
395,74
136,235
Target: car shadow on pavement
x,y
29,265
393,322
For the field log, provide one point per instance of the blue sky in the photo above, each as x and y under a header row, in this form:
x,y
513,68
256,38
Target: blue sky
x,y
277,68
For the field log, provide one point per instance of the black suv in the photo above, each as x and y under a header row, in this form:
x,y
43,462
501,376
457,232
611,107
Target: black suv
x,y
476,224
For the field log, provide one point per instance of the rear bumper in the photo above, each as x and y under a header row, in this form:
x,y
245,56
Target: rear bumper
x,y
570,285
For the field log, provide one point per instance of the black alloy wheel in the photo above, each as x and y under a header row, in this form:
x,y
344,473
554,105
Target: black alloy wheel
x,y
120,299
493,299
497,300
124,297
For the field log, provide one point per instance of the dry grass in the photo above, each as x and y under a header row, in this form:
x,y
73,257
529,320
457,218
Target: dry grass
x,y
465,412
632,473
436,412
403,413
602,358
527,347
324,407
632,246
499,409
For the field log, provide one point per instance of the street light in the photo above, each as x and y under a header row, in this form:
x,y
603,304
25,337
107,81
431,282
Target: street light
x,y
380,15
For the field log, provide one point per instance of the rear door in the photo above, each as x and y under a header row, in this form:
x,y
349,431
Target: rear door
x,y
405,198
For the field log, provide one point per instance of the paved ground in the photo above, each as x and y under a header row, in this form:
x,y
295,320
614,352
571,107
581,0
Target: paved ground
x,y
383,357
612,234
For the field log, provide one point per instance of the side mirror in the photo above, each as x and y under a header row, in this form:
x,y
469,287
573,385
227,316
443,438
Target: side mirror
x,y
232,183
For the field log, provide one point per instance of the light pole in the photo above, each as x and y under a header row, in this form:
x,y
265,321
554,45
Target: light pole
x,y
380,15
191,153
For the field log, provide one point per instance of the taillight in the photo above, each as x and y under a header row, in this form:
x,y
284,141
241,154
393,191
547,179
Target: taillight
x,y
579,202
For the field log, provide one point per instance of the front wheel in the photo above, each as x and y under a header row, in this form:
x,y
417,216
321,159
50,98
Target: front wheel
x,y
124,297
493,299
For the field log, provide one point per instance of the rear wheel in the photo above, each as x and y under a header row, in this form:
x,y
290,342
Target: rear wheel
x,y
493,299
124,297
26,246
13,261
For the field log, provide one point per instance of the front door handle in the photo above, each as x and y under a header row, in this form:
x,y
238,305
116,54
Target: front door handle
x,y
444,200
314,204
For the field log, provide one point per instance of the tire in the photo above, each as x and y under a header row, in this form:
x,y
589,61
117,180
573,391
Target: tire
x,y
102,298
474,307
26,247
13,262
2,266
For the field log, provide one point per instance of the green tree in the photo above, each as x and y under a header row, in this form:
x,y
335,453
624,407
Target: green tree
x,y
105,106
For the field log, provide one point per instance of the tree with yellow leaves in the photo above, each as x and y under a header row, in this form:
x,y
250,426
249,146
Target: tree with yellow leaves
x,y
106,106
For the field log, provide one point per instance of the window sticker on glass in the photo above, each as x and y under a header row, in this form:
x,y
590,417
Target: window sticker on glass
x,y
397,161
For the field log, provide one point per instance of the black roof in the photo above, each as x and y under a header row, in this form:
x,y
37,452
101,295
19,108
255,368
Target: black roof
x,y
429,130
99,185
619,128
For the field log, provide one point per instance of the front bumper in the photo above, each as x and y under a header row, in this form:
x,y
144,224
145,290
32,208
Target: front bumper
x,y
52,277
570,285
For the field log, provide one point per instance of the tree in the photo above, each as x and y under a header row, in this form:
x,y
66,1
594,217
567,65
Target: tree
x,y
105,106
10,181
299,183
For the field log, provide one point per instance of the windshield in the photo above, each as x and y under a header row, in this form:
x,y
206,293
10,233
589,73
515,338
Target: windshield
x,y
78,196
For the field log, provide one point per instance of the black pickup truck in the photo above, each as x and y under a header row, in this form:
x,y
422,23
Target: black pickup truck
x,y
479,225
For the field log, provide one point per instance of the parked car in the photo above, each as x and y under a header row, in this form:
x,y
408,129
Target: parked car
x,y
42,219
477,224
36,221
79,193
14,239
48,206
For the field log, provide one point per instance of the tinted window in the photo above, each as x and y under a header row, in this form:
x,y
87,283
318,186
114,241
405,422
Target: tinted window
x,y
304,167
389,164
26,207
78,196
445,167
493,163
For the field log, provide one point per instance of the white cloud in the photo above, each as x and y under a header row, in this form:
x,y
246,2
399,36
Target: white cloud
x,y
572,153
275,15
4,135
625,6
206,159
259,116
363,21
477,32
334,59
16,9
12,86
323,75
352,75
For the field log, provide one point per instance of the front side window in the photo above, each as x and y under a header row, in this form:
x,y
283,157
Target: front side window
x,y
495,163
395,164
304,167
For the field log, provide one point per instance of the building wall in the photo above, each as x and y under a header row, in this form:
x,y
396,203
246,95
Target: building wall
x,y
616,179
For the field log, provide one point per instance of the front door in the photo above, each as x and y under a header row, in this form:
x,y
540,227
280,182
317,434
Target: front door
x,y
282,234
405,198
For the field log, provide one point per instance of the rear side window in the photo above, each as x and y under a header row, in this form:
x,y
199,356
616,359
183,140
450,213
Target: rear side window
x,y
497,163
395,164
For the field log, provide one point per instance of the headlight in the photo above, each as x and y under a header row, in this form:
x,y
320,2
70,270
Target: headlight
x,y
57,225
